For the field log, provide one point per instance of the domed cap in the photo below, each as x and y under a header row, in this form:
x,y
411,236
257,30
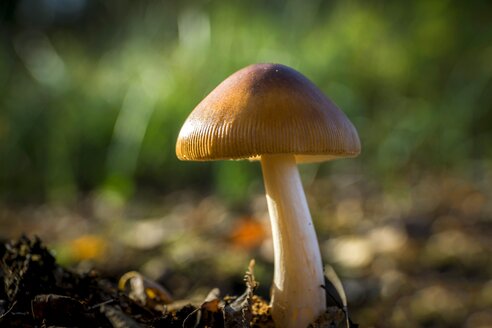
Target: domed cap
x,y
267,109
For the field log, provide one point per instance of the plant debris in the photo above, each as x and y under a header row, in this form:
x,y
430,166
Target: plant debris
x,y
38,292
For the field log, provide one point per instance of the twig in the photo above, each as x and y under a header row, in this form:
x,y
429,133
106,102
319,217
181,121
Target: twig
x,y
8,310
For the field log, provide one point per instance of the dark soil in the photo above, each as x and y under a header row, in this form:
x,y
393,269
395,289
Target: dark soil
x,y
36,292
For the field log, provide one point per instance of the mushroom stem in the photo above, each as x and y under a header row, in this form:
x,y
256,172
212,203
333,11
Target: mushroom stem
x,y
297,296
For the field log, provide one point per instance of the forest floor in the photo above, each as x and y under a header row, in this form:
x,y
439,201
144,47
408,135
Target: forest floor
x,y
39,293
413,255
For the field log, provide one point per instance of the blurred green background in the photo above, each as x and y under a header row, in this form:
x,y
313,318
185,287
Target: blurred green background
x,y
93,94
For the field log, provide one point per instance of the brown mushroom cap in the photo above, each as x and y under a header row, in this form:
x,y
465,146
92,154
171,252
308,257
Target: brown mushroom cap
x,y
267,109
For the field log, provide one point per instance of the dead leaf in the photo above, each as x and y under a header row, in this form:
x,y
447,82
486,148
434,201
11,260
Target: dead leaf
x,y
248,233
88,247
238,313
144,290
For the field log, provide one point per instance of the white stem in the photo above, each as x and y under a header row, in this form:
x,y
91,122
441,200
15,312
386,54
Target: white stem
x,y
297,296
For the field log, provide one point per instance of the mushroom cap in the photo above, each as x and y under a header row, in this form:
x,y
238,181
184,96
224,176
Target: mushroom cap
x,y
267,109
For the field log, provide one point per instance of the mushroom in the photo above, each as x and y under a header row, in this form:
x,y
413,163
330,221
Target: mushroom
x,y
272,113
